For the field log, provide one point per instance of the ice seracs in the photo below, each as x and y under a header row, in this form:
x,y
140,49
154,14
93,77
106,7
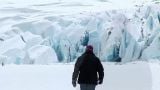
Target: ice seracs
x,y
40,54
126,33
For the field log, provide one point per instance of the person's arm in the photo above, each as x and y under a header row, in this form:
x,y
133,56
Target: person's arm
x,y
76,72
100,72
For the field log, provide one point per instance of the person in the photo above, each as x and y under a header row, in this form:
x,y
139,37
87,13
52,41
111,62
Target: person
x,y
88,69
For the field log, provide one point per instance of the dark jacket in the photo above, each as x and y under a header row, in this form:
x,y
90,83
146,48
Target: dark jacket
x,y
87,67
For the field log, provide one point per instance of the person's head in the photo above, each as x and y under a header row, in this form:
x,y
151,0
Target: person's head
x,y
89,48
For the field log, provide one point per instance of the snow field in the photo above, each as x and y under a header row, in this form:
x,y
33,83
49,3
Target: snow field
x,y
130,76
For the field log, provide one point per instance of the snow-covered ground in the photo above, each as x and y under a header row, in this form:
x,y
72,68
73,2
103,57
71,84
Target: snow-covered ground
x,y
129,76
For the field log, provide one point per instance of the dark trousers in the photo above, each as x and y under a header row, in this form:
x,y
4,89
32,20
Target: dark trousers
x,y
87,86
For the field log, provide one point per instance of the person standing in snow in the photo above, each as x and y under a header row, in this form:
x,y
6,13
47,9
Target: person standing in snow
x,y
88,69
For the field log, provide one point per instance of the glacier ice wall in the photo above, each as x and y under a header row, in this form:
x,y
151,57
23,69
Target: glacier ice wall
x,y
38,38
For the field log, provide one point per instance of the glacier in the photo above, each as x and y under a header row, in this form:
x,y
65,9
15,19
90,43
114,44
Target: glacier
x,y
38,33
